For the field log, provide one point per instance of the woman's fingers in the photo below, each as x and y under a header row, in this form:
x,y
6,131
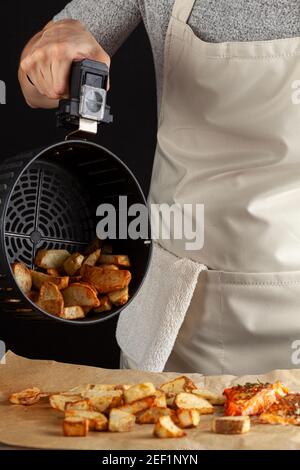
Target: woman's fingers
x,y
48,58
60,76
37,80
47,81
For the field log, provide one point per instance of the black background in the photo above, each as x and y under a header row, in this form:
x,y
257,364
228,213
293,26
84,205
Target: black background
x,y
132,137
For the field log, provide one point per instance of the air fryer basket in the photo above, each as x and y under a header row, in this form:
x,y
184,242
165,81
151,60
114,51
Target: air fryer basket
x,y
49,200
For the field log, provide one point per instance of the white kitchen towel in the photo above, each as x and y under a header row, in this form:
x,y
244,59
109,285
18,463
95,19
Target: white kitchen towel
x,y
148,327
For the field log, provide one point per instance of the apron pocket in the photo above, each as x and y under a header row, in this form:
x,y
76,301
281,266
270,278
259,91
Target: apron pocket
x,y
261,320
240,323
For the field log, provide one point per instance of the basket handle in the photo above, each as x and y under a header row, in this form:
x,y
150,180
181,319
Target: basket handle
x,y
86,107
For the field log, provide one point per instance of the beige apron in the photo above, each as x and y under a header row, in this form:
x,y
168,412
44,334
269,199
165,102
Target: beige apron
x,y
229,138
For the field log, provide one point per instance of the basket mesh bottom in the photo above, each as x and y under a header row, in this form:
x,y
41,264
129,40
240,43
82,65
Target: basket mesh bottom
x,y
47,209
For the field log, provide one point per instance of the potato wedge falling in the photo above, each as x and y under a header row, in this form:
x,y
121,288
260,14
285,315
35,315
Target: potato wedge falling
x,y
105,305
119,297
73,264
50,299
51,259
72,313
92,259
80,295
106,281
38,279
22,276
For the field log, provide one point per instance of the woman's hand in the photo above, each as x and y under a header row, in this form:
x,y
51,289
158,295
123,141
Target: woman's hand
x,y
46,61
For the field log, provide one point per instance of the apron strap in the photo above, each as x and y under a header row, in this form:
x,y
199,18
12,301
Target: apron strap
x,y
182,9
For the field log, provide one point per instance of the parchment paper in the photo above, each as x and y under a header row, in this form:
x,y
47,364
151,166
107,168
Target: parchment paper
x,y
39,426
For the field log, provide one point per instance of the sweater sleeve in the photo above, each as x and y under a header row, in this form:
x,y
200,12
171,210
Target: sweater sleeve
x,y
109,21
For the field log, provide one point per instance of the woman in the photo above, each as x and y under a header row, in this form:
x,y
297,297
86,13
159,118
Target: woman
x,y
228,139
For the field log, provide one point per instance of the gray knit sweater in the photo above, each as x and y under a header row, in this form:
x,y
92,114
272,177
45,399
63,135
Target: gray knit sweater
x,y
111,21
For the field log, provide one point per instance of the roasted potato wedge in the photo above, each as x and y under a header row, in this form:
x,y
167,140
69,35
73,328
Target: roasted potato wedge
x,y
50,299
139,391
84,283
51,259
73,313
166,428
138,406
96,421
73,263
92,259
100,423
180,384
104,400
22,276
75,427
38,279
188,401
26,397
187,418
80,294
160,399
151,415
120,421
212,397
82,405
106,281
58,401
105,305
119,297
119,260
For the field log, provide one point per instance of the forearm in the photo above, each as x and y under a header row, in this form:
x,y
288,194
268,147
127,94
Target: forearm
x,y
109,21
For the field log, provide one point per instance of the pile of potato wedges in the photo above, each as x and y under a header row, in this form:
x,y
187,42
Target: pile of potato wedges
x,y
172,408
71,285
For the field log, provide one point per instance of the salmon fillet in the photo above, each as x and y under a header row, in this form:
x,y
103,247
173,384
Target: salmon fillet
x,y
252,398
285,411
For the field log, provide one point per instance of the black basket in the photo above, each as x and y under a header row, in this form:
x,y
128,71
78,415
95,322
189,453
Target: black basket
x,y
48,199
